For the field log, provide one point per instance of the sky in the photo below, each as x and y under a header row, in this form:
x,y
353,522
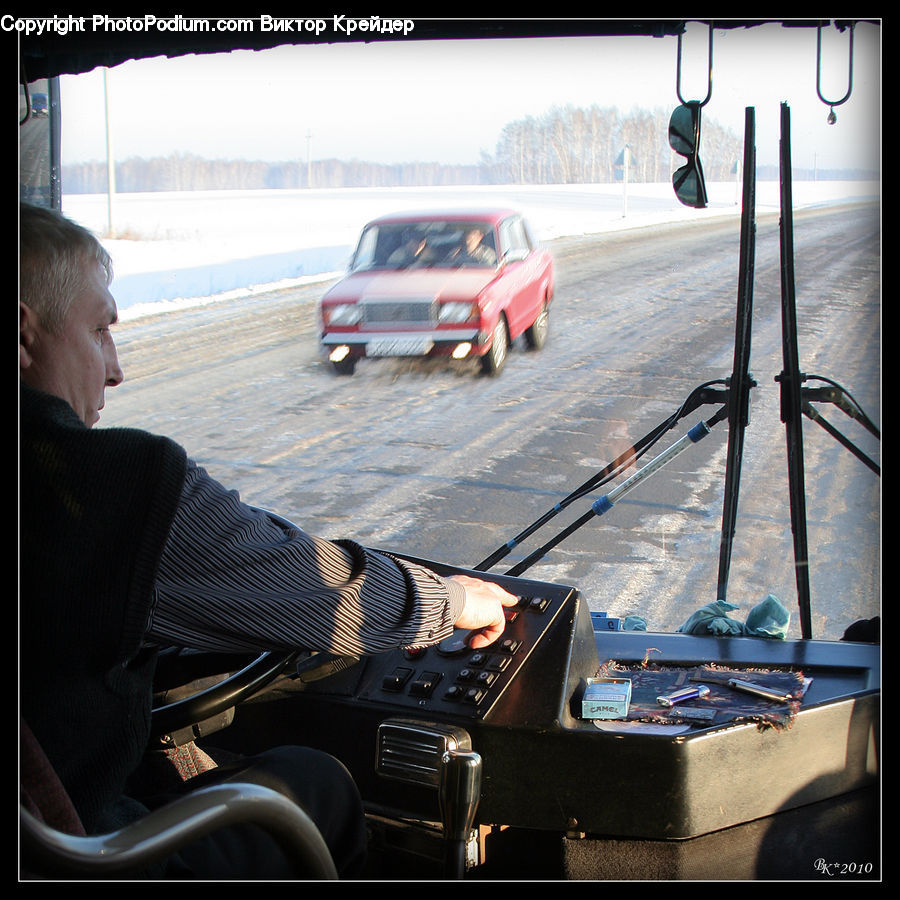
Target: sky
x,y
447,101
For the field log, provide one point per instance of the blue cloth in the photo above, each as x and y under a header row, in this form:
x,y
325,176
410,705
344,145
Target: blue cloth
x,y
768,619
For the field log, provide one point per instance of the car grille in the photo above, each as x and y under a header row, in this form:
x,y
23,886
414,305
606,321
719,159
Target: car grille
x,y
388,311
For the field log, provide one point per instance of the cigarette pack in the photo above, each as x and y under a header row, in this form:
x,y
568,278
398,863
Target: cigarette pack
x,y
606,698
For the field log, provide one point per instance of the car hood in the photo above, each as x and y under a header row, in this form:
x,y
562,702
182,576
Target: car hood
x,y
445,284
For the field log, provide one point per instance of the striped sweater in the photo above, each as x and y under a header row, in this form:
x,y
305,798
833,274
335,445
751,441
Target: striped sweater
x,y
127,546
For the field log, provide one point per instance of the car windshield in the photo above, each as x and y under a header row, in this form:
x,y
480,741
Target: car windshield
x,y
434,242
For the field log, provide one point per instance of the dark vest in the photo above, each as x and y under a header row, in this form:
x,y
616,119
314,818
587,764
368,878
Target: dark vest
x,y
95,510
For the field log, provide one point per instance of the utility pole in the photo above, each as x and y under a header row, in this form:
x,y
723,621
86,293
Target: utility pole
x,y
110,161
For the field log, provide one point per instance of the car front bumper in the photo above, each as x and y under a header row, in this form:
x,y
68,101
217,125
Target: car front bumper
x,y
436,342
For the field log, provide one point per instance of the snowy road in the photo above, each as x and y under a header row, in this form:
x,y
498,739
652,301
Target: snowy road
x,y
430,459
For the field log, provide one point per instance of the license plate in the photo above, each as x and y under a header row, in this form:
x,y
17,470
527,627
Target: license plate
x,y
401,346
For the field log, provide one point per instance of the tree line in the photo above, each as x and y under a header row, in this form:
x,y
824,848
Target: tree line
x,y
566,145
188,172
586,146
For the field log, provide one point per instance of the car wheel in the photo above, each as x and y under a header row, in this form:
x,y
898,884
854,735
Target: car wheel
x,y
492,361
345,366
536,333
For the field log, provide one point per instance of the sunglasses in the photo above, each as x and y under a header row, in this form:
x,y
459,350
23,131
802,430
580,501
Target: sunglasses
x,y
684,139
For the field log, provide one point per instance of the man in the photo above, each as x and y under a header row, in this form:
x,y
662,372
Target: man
x,y
410,252
128,546
474,250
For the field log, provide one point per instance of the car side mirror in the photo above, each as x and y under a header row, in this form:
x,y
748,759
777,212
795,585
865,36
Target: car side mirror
x,y
515,254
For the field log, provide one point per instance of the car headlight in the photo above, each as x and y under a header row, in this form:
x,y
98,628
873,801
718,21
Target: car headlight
x,y
343,314
457,312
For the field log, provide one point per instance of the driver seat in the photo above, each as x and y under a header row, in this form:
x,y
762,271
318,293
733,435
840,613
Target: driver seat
x,y
54,843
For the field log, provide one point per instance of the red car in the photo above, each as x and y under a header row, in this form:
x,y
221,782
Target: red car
x,y
461,284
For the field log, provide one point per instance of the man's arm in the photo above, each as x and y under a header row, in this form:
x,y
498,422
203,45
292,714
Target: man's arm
x,y
233,578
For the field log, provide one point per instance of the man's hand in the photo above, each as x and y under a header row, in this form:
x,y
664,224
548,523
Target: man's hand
x,y
483,613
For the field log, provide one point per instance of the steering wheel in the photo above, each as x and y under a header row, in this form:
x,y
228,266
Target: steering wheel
x,y
216,699
245,682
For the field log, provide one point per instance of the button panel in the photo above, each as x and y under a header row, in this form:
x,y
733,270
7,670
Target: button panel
x,y
452,677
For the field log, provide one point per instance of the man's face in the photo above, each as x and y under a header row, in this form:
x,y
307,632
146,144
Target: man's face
x,y
80,362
